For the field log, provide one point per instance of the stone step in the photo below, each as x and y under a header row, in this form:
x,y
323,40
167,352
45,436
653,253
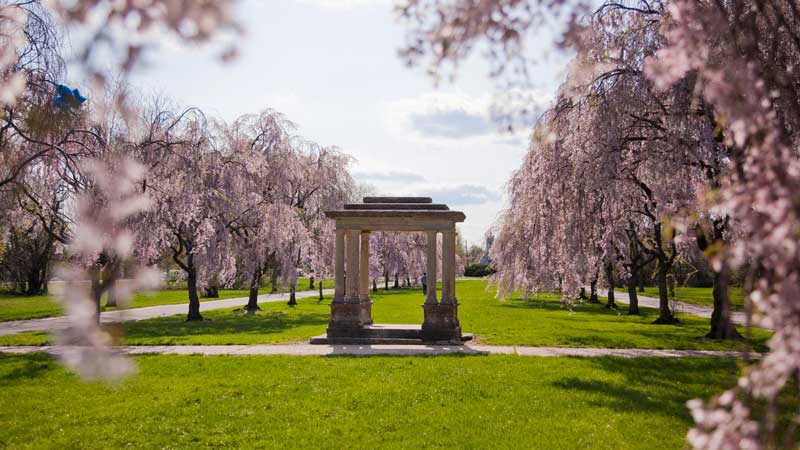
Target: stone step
x,y
392,331
323,339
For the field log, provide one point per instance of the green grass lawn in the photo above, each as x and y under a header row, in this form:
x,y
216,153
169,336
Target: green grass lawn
x,y
698,295
481,402
541,321
19,307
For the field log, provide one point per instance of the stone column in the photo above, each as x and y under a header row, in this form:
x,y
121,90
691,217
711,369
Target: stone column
x,y
346,311
430,255
339,290
441,319
363,284
448,267
353,258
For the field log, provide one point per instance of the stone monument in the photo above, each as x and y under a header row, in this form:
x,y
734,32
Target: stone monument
x,y
351,308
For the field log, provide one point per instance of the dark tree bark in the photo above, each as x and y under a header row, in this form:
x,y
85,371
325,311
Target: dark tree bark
x,y
610,280
292,289
320,289
722,327
191,278
252,297
273,279
396,282
635,264
374,285
211,292
37,281
311,283
593,291
96,290
664,260
582,293
386,280
664,314
633,298
194,299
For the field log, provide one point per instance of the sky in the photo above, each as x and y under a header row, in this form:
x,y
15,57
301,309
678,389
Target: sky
x,y
331,67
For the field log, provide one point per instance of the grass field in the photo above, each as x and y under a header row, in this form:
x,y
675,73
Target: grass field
x,y
541,321
699,296
19,307
497,402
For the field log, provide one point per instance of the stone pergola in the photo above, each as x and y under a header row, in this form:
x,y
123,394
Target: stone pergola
x,y
351,308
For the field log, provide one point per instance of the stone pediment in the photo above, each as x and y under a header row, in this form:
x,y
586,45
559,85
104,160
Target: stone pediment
x,y
396,214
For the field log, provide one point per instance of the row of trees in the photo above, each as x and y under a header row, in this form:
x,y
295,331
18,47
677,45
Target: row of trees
x,y
622,168
677,127
228,203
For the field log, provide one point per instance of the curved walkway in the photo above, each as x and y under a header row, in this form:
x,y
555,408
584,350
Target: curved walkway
x,y
148,312
392,350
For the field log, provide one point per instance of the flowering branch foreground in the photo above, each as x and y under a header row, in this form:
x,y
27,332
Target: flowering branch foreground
x,y
228,203
677,128
101,229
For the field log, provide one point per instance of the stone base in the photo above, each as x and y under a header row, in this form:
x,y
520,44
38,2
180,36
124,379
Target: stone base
x,y
345,318
441,323
384,335
366,311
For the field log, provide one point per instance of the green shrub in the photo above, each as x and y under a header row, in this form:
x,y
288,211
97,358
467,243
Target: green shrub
x,y
478,270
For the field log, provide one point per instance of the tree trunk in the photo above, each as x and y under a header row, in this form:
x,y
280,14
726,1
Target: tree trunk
x,y
396,283
36,282
633,298
593,292
252,297
311,283
194,299
582,293
374,285
96,290
664,314
721,325
320,289
211,292
273,279
292,288
640,279
386,280
408,281
610,279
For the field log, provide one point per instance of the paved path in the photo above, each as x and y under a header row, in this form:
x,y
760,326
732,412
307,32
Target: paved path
x,y
149,312
395,350
685,308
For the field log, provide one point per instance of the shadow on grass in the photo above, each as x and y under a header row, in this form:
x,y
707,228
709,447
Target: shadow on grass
x,y
266,322
437,351
24,367
654,385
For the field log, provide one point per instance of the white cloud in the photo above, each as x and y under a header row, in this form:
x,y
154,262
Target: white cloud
x,y
454,116
439,115
464,194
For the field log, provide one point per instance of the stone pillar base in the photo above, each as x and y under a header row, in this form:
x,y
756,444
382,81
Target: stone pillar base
x,y
366,311
345,319
441,323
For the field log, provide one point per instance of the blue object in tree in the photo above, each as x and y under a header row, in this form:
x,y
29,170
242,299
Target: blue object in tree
x,y
68,98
